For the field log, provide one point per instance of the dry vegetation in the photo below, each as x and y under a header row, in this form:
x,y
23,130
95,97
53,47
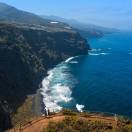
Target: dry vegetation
x,y
74,124
70,121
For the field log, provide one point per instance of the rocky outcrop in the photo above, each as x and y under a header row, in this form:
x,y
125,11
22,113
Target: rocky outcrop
x,y
5,120
26,53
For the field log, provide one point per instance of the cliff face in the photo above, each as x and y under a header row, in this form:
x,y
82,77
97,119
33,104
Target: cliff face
x,y
26,53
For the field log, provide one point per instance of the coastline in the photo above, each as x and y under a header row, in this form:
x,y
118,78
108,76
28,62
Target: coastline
x,y
38,107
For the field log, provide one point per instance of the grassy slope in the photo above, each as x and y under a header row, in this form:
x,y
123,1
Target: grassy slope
x,y
68,121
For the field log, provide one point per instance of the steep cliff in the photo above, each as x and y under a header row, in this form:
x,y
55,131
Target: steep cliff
x,y
26,53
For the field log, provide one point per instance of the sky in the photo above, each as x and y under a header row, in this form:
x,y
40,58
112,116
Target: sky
x,y
108,13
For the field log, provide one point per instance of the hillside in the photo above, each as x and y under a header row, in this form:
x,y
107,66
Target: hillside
x,y
85,29
26,53
13,15
69,121
9,13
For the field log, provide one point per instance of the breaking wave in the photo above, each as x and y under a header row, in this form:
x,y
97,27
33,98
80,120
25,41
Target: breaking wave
x,y
80,107
57,87
96,52
104,53
74,62
70,59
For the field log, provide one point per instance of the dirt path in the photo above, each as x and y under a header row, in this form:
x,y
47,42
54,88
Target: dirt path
x,y
37,125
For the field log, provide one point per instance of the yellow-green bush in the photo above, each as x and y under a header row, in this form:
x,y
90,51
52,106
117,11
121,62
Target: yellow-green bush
x,y
73,124
68,112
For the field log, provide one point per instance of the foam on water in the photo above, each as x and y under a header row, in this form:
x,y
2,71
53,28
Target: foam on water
x,y
98,51
63,93
80,107
74,62
70,59
104,53
94,54
95,50
46,91
57,87
54,22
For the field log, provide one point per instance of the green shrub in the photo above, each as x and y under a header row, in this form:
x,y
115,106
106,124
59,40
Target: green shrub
x,y
74,124
68,112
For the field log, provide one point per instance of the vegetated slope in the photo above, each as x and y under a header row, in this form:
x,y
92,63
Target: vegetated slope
x,y
75,123
85,29
26,53
9,13
83,124
70,121
13,15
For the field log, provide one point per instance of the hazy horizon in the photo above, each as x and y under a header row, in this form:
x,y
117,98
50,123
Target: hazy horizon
x,y
107,13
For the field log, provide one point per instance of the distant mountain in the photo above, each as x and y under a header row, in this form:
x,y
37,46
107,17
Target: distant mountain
x,y
9,13
14,15
85,29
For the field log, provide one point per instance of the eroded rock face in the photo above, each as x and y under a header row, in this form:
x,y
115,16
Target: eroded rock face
x,y
26,53
5,120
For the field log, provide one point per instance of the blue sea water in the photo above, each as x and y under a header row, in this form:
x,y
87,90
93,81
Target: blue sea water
x,y
100,81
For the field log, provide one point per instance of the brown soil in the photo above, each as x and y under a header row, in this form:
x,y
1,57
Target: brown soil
x,y
38,124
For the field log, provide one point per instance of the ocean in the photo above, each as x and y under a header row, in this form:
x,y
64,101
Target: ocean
x,y
98,82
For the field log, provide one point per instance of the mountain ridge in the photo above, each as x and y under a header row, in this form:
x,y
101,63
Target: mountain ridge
x,y
12,14
85,29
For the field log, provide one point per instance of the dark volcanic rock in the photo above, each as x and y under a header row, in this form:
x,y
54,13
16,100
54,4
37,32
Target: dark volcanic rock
x,y
26,53
5,121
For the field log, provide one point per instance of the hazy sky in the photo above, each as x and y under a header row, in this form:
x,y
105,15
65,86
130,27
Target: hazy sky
x,y
109,13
